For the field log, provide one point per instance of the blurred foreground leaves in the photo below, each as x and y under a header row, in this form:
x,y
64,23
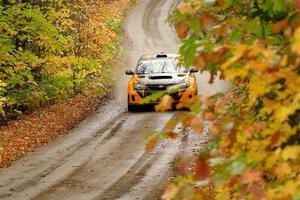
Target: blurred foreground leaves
x,y
255,126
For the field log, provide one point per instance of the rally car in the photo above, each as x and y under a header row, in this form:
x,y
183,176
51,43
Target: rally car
x,y
159,72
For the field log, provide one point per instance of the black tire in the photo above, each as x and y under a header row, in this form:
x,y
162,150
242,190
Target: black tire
x,y
131,108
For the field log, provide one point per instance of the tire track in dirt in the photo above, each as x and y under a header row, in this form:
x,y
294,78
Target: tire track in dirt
x,y
71,151
122,152
130,178
140,169
67,164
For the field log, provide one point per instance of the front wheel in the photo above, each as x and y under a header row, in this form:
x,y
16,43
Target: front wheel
x,y
131,108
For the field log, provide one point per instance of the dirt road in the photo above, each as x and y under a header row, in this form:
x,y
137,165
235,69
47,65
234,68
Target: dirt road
x,y
104,157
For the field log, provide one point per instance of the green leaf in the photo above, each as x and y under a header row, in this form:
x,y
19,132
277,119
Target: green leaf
x,y
150,135
236,167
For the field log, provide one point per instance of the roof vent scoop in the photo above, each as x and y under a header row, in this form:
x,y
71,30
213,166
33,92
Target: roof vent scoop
x,y
161,55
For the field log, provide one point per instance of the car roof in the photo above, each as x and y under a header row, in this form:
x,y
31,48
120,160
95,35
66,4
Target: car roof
x,y
158,55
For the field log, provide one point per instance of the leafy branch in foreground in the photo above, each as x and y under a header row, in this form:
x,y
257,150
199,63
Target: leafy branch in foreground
x,y
255,44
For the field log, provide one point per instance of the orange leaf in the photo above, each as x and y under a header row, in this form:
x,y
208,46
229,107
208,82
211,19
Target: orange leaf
x,y
222,76
283,170
182,28
171,124
200,62
202,169
197,124
212,77
250,177
275,138
165,104
257,192
187,122
220,2
184,166
208,116
280,26
172,134
208,19
289,196
151,143
220,31
215,129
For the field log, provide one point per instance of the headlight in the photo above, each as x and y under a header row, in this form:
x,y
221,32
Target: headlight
x,y
184,85
139,86
181,85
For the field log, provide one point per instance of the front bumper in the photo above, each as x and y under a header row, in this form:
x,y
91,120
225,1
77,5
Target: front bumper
x,y
135,97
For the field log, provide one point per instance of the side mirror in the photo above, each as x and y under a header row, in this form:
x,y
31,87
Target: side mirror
x,y
129,72
194,70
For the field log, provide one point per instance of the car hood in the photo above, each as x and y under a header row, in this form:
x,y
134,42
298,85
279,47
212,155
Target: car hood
x,y
163,78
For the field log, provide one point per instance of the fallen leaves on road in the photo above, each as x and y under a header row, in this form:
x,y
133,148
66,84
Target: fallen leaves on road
x,y
36,129
152,143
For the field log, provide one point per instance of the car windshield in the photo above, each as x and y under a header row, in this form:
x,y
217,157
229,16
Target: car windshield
x,y
165,65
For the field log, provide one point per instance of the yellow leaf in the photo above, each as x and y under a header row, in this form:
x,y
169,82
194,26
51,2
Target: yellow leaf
x,y
267,53
271,161
282,113
289,188
185,7
296,45
222,193
165,104
170,192
283,170
257,66
171,124
189,7
257,87
235,72
291,152
284,60
239,52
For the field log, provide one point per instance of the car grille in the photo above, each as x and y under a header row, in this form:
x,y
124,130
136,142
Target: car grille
x,y
156,88
160,77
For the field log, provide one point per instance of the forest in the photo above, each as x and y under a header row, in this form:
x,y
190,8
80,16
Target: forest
x,y
51,50
56,64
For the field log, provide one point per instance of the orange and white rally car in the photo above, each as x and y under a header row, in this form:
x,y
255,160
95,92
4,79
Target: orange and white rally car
x,y
159,72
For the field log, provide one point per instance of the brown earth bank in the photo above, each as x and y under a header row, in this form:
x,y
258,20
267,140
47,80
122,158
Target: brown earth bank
x,y
31,131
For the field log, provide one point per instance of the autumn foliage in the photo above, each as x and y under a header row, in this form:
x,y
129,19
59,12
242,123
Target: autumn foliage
x,y
53,50
56,59
255,152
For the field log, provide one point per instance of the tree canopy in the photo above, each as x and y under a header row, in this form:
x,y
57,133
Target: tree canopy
x,y
53,50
